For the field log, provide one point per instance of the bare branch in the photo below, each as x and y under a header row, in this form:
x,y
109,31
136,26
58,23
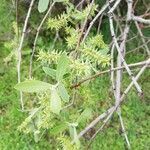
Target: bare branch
x,y
141,20
107,71
94,122
143,40
20,48
36,37
120,54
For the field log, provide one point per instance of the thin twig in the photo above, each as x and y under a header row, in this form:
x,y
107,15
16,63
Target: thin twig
x,y
36,37
114,6
94,122
124,131
143,40
141,20
120,54
96,17
84,25
106,71
117,91
80,3
20,49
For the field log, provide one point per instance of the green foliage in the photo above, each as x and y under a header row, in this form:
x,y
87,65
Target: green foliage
x,y
81,15
62,66
43,5
85,115
58,22
65,143
78,67
50,72
33,86
73,134
55,101
6,18
63,92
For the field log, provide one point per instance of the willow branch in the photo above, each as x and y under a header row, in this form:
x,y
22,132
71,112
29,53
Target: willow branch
x,y
20,48
36,37
96,17
94,122
141,20
84,25
120,54
143,40
114,6
107,71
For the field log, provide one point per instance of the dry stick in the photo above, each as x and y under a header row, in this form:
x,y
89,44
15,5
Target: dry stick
x,y
135,3
143,40
96,17
55,39
131,39
36,37
106,71
118,26
124,131
114,89
117,90
80,3
100,22
121,99
140,19
114,6
119,72
20,48
94,122
145,14
120,54
112,109
112,67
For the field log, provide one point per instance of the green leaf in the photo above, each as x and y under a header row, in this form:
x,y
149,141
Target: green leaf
x,y
58,128
71,131
50,72
63,64
60,1
43,5
55,102
63,92
74,135
36,136
76,139
32,86
85,115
